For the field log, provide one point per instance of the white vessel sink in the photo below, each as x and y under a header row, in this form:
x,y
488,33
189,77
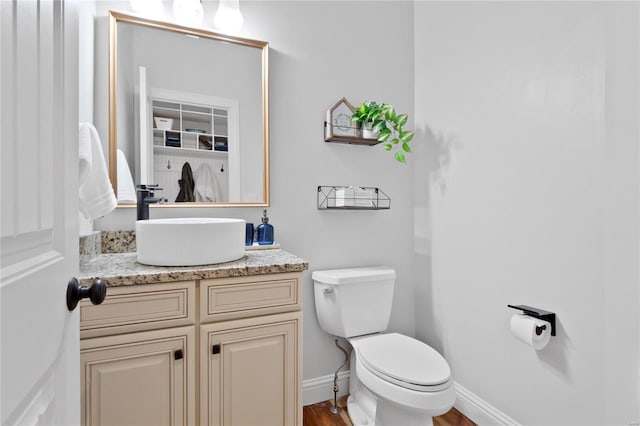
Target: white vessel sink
x,y
189,241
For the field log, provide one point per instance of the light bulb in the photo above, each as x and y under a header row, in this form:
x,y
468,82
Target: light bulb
x,y
228,16
188,12
151,8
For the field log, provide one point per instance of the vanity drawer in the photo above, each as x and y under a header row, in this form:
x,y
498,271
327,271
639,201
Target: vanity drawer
x,y
138,308
229,298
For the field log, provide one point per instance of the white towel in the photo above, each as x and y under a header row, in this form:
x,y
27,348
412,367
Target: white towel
x,y
126,189
205,184
96,197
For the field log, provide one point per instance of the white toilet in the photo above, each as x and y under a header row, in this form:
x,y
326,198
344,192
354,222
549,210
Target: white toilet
x,y
395,380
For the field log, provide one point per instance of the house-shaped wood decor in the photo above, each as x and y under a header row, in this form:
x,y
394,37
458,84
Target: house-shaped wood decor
x,y
339,128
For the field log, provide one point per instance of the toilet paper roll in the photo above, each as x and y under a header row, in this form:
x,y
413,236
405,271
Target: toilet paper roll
x,y
530,330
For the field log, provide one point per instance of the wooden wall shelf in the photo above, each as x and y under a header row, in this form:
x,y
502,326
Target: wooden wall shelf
x,y
354,140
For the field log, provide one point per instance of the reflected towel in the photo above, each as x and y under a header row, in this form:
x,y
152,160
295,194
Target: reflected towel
x,y
186,185
96,197
206,188
126,189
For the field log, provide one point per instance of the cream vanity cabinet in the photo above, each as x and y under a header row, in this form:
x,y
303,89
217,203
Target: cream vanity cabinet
x,y
223,351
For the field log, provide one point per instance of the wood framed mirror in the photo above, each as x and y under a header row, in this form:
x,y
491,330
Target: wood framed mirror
x,y
187,108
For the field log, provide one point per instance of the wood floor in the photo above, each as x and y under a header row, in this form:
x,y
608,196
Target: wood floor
x,y
320,415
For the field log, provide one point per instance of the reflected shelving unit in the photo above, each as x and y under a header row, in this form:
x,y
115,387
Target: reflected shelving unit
x,y
182,126
197,131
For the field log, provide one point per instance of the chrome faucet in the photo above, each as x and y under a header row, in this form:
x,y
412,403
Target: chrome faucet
x,y
145,196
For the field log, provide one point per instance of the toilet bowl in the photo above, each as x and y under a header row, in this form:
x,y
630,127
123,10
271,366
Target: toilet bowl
x,y
394,379
402,375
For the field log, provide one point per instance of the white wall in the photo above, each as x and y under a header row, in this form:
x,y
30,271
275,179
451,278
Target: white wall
x,y
317,56
622,283
527,193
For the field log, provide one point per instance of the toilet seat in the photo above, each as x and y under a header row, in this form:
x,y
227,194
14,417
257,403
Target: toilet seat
x,y
404,361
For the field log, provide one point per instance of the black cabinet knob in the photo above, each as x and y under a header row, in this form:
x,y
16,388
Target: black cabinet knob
x,y
96,292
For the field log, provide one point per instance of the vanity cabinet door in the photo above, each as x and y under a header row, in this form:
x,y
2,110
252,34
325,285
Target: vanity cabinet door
x,y
139,378
251,371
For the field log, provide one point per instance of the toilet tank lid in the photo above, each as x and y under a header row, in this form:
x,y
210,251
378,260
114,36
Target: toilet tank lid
x,y
354,275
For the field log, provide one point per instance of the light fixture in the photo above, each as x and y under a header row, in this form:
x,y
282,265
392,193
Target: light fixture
x,y
150,8
188,12
228,17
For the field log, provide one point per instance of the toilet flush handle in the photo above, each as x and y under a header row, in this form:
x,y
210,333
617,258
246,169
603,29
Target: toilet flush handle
x,y
328,291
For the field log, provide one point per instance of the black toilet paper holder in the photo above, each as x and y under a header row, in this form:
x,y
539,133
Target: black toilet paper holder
x,y
538,313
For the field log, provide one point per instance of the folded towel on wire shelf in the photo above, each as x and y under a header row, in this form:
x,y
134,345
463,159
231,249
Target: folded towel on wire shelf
x,y
96,197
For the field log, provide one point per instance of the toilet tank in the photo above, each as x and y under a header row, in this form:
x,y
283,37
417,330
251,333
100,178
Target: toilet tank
x,y
355,301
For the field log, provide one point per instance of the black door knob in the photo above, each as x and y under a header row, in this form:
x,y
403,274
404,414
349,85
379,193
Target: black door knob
x,y
96,292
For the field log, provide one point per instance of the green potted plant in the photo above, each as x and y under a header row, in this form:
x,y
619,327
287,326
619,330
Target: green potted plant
x,y
383,119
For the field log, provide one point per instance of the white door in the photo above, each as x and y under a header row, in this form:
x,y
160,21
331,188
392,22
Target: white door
x,y
39,364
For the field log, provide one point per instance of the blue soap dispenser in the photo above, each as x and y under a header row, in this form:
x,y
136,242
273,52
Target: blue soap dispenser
x,y
265,231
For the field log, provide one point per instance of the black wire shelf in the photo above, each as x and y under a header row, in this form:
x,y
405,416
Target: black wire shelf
x,y
352,198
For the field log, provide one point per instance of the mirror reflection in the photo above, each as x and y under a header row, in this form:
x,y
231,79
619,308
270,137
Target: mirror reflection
x,y
190,113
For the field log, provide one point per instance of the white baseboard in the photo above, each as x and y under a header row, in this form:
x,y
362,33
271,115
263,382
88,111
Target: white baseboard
x,y
478,410
320,389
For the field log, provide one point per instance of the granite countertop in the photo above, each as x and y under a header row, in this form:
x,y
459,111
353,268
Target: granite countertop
x,y
123,269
